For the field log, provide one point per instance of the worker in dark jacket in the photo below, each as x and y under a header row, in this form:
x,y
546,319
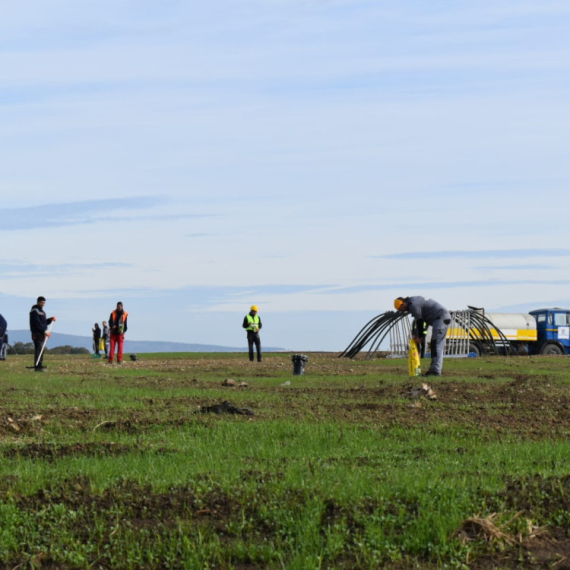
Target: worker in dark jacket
x,y
430,312
96,338
417,333
38,327
252,324
3,337
117,328
4,349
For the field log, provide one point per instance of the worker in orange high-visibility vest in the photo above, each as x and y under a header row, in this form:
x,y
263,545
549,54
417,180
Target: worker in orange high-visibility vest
x,y
252,324
117,328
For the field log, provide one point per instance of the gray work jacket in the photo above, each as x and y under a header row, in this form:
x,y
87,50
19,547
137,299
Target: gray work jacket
x,y
427,310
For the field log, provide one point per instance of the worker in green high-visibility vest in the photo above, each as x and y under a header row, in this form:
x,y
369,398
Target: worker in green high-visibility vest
x,y
252,324
421,335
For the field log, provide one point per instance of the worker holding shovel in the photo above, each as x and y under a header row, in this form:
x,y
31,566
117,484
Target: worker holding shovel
x,y
39,324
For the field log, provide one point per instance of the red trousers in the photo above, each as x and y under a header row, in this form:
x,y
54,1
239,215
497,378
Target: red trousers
x,y
116,339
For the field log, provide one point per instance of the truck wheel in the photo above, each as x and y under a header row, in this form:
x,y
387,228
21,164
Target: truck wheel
x,y
551,349
475,349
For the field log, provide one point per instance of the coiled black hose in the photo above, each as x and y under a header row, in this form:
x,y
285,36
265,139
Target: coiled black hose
x,y
374,332
479,328
482,333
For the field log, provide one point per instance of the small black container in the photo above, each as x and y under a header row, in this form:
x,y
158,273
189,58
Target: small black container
x,y
133,357
299,362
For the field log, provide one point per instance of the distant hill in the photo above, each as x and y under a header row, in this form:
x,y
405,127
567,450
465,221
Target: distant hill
x,y
132,346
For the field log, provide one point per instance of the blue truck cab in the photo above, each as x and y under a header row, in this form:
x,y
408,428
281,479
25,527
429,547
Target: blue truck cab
x,y
553,331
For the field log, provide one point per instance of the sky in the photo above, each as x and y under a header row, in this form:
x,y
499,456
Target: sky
x,y
317,158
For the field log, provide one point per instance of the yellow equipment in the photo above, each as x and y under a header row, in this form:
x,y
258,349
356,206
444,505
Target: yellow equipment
x,y
414,363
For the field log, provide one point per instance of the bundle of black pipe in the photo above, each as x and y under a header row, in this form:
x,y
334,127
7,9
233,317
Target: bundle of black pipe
x,y
374,332
481,330
478,326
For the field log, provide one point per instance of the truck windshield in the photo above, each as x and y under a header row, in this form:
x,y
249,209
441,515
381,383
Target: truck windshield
x,y
560,319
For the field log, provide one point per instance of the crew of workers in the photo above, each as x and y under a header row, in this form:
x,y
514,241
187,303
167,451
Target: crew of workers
x,y
101,339
112,336
40,325
425,312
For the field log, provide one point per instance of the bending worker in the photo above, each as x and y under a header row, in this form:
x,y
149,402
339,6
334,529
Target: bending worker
x,y
430,312
252,324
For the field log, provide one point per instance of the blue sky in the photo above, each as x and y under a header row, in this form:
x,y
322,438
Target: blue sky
x,y
315,157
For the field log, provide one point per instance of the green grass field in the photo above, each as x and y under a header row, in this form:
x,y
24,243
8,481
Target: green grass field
x,y
116,467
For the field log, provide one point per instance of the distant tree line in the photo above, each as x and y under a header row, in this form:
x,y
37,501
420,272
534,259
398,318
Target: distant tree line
x,y
28,348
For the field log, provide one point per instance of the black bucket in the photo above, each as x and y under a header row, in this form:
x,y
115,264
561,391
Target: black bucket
x,y
299,362
133,357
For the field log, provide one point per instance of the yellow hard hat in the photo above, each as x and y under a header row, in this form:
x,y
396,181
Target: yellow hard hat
x,y
254,308
398,303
